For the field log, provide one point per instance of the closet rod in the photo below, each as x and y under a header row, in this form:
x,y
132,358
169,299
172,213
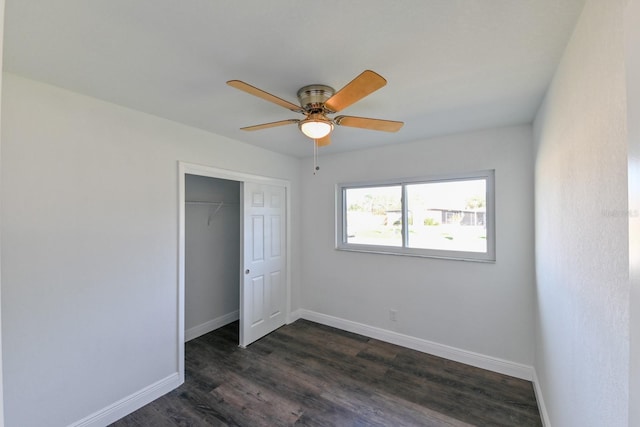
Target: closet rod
x,y
209,203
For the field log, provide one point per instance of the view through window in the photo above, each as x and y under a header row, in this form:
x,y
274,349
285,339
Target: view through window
x,y
446,217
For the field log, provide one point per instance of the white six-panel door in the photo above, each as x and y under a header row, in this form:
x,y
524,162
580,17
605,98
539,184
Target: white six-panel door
x,y
263,285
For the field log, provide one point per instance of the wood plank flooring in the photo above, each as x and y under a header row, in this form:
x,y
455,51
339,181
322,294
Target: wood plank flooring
x,y
307,374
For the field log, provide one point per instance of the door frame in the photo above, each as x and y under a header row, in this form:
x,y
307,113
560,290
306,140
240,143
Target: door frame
x,y
185,168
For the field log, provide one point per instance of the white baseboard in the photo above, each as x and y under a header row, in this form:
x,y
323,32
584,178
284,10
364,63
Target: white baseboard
x,y
540,399
130,403
293,316
490,363
148,394
211,325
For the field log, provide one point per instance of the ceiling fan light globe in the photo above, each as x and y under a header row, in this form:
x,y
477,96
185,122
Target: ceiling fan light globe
x,y
316,129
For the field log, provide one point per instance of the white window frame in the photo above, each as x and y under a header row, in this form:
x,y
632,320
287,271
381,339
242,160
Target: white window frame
x,y
488,256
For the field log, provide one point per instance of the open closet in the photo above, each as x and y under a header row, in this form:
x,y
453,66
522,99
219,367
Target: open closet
x,y
212,253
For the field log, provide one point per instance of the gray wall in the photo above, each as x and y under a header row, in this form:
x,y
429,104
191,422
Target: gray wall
x,y
582,264
212,253
1,370
632,30
90,247
484,308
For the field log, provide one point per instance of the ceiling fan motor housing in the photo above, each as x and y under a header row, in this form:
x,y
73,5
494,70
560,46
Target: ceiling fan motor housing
x,y
313,97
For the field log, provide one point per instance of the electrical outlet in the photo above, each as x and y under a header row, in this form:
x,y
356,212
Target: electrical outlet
x,y
393,315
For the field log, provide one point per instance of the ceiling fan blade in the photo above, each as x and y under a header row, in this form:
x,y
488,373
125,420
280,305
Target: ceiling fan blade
x,y
323,142
271,125
264,95
366,123
366,83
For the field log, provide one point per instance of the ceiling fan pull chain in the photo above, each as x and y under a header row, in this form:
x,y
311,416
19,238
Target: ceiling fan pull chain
x,y
315,156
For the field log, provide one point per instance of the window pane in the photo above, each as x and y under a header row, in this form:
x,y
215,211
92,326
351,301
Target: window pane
x,y
448,215
374,216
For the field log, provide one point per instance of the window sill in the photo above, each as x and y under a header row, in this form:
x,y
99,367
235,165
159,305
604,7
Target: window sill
x,y
418,253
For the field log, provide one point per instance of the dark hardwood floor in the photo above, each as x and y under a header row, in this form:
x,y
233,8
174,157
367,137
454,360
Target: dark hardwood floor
x,y
307,374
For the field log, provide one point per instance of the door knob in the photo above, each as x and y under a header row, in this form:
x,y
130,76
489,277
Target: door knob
x,y
247,271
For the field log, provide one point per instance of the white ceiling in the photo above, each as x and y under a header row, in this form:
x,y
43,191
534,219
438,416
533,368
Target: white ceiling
x,y
451,65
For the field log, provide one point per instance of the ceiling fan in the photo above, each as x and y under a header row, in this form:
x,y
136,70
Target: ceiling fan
x,y
318,101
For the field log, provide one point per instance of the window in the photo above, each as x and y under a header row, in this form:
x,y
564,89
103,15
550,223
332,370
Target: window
x,y
444,216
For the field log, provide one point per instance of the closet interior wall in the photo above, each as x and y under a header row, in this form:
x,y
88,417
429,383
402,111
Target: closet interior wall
x,y
212,254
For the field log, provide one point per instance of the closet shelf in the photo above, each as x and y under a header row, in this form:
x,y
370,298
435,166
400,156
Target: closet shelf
x,y
212,212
